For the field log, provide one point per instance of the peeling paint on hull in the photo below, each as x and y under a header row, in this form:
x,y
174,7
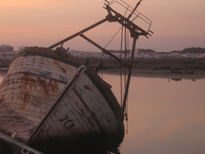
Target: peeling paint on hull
x,y
86,114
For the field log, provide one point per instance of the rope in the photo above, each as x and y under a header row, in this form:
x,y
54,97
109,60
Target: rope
x,y
113,37
121,88
121,67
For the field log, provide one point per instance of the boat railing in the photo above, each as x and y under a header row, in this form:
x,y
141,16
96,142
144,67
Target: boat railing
x,y
125,10
25,149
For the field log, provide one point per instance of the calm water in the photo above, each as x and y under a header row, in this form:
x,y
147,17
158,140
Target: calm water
x,y
164,117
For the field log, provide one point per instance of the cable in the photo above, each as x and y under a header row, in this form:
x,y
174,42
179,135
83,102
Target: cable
x,y
113,37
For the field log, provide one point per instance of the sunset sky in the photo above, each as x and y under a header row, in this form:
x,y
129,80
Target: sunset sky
x,y
177,24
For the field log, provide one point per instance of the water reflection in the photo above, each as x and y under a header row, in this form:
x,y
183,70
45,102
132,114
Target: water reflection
x,y
165,116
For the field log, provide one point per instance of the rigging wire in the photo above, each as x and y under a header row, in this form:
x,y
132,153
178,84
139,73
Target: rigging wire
x,y
126,48
121,67
127,106
113,37
126,116
121,88
123,70
125,77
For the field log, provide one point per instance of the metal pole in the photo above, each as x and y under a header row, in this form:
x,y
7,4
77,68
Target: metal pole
x,y
134,9
76,34
103,49
129,75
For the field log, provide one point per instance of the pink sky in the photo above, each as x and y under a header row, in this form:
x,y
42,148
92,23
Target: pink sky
x,y
177,23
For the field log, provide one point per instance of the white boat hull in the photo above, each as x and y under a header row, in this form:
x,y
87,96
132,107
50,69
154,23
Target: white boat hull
x,y
40,104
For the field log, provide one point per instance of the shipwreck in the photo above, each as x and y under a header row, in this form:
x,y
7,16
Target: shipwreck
x,y
50,102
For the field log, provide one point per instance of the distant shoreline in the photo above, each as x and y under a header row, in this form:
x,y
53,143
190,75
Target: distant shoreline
x,y
166,74
188,63
171,68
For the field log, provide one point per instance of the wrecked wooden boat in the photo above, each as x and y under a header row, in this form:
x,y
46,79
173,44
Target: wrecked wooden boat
x,y
53,103
31,93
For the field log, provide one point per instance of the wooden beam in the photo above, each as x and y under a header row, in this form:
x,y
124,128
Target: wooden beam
x,y
103,49
78,33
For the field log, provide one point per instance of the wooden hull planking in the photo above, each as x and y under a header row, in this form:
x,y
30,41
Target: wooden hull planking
x,y
38,104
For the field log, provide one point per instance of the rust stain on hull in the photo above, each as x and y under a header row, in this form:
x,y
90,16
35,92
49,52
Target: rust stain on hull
x,y
30,90
25,98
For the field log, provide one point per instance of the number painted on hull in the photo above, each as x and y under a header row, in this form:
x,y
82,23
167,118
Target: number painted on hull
x,y
67,123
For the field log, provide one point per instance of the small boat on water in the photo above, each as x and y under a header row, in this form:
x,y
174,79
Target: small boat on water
x,y
53,103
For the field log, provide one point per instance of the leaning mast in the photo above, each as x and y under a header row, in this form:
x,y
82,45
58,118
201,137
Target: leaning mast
x,y
127,22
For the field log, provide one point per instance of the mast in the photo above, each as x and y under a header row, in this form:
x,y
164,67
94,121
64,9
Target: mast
x,y
134,9
128,23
